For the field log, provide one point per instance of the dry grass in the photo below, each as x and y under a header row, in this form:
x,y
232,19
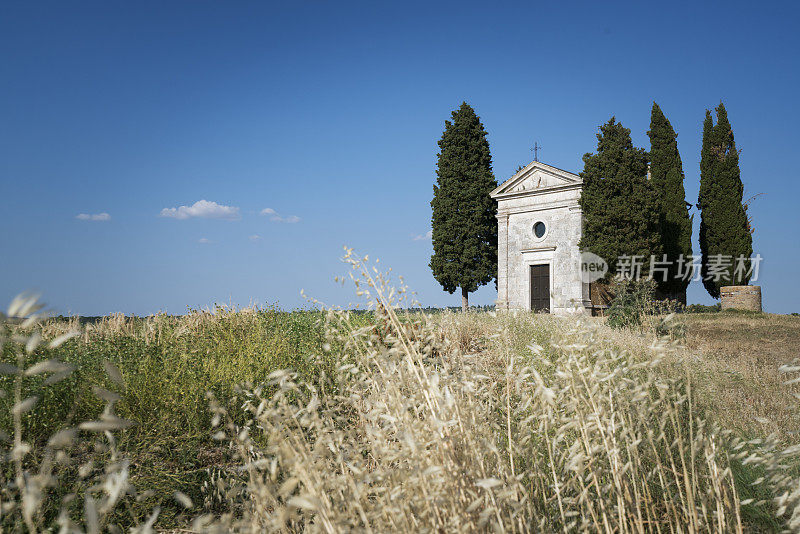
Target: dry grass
x,y
737,364
737,368
734,361
450,423
454,429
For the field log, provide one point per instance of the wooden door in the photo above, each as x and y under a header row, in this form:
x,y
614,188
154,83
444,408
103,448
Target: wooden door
x,y
540,287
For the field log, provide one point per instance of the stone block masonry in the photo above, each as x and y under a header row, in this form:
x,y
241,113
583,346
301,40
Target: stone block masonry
x,y
741,298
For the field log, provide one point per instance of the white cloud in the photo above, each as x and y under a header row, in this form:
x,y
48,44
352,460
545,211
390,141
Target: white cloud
x,y
93,216
204,241
202,209
275,217
255,237
424,237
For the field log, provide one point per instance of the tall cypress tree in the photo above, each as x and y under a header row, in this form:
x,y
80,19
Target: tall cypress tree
x,y
620,216
724,229
464,215
706,182
666,172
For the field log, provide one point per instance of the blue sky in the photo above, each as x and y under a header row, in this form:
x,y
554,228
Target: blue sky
x,y
328,114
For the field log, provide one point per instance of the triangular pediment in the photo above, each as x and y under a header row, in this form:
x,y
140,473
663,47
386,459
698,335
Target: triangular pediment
x,y
536,176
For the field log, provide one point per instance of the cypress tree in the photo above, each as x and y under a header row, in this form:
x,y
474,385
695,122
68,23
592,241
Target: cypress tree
x,y
620,216
666,171
464,215
706,180
724,228
705,158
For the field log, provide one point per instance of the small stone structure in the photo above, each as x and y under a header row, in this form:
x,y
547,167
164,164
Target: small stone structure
x,y
539,226
741,297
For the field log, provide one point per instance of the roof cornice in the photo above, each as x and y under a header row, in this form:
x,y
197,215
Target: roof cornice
x,y
535,192
520,175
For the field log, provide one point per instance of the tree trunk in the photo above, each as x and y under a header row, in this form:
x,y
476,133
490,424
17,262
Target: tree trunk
x,y
464,300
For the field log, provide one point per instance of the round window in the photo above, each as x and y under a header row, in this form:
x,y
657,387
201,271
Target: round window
x,y
539,229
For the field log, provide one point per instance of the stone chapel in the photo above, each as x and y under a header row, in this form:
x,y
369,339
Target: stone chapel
x,y
539,226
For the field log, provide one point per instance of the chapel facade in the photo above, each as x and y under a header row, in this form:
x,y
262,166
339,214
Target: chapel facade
x,y
539,226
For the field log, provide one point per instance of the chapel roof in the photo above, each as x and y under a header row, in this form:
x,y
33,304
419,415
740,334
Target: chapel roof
x,y
519,183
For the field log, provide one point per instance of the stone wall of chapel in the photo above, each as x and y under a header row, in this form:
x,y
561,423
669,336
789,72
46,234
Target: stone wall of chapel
x,y
561,215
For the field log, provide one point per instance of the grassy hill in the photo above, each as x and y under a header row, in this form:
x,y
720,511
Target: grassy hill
x,y
388,421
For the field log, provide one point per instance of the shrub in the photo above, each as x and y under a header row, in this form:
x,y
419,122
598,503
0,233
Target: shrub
x,y
702,308
632,300
634,306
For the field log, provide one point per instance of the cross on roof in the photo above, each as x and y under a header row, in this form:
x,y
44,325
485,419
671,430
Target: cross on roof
x,y
535,150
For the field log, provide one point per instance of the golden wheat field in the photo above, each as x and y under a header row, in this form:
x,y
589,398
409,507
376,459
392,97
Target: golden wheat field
x,y
258,420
